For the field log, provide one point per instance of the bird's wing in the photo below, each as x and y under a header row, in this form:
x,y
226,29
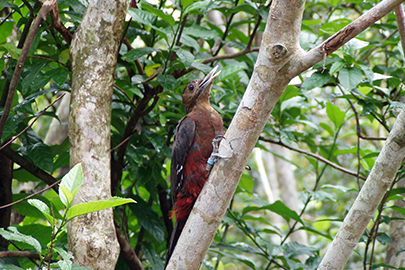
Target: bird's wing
x,y
183,139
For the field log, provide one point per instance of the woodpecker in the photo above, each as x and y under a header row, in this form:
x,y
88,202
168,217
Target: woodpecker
x,y
191,149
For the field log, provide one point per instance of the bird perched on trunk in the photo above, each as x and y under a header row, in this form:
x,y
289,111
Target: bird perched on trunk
x,y
191,149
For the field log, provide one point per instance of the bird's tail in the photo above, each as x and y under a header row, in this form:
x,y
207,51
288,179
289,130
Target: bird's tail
x,y
173,240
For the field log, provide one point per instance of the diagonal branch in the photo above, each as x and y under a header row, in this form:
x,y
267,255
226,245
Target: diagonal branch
x,y
347,33
318,157
399,13
42,14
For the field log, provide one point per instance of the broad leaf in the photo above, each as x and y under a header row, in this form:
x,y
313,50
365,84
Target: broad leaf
x,y
148,218
14,235
89,207
71,182
41,206
317,79
335,114
349,78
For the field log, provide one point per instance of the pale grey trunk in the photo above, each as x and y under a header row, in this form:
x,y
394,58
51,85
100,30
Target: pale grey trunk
x,y
92,238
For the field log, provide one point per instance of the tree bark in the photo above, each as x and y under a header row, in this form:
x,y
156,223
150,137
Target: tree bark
x,y
366,203
279,60
92,238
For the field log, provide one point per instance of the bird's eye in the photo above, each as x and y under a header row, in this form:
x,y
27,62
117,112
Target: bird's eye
x,y
191,87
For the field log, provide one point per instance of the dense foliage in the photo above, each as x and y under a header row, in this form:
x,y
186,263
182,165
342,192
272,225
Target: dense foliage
x,y
341,110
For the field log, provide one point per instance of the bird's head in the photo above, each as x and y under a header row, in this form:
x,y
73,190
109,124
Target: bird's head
x,y
198,91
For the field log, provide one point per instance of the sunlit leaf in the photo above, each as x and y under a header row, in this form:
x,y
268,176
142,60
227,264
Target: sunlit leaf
x,y
335,114
89,207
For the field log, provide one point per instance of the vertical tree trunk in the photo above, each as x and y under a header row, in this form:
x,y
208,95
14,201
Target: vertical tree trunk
x,y
6,195
92,237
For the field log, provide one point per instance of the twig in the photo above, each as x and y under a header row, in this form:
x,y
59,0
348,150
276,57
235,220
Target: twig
x,y
32,123
399,14
125,94
57,24
32,195
20,254
42,14
318,157
48,59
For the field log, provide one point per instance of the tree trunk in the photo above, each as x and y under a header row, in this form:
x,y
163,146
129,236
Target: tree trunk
x,y
379,179
6,195
92,238
280,59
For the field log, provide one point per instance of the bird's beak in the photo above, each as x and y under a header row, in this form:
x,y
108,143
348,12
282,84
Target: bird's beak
x,y
208,80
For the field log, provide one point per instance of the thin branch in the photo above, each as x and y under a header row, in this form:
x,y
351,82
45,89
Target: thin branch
x,y
58,25
32,195
344,35
125,94
42,14
137,62
20,254
318,157
32,123
31,168
399,13
127,252
48,59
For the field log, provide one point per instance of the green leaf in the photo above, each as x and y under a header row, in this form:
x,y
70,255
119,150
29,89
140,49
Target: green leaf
x,y
66,263
186,57
14,235
43,208
200,5
228,72
12,123
238,257
335,114
59,75
189,41
89,207
6,29
336,66
148,218
11,49
158,12
277,207
354,44
41,155
71,182
134,54
399,210
317,79
349,78
147,18
154,259
246,183
294,249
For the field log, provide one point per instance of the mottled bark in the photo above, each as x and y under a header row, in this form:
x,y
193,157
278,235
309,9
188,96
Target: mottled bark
x,y
279,60
92,237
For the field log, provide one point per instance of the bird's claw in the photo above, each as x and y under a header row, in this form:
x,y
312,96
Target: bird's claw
x,y
215,155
